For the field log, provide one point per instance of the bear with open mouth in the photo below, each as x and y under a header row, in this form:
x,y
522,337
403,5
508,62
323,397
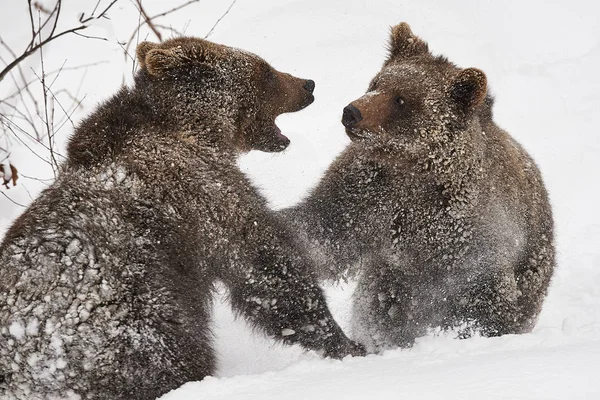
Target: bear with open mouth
x,y
107,277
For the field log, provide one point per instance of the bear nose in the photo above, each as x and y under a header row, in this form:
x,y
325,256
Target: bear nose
x,y
309,85
351,116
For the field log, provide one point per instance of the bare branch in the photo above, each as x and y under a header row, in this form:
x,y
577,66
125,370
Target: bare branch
x,y
57,75
29,118
42,26
14,202
58,8
49,130
56,71
36,47
40,7
186,26
103,13
33,34
148,20
18,137
162,14
126,52
33,178
33,46
219,20
90,37
169,28
69,114
3,43
96,7
27,115
17,113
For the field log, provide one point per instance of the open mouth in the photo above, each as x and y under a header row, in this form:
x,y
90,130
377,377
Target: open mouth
x,y
281,141
267,136
357,134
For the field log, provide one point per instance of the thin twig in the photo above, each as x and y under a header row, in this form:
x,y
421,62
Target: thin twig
x,y
103,13
62,108
90,37
27,90
36,47
41,8
219,20
170,28
33,34
14,202
148,20
18,137
20,114
151,19
27,190
185,27
96,7
33,178
58,8
137,42
56,71
125,51
40,28
179,7
32,48
3,43
53,162
68,117
57,75
9,122
30,119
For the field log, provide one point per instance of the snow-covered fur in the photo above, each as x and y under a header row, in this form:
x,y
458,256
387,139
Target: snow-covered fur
x,y
440,213
106,279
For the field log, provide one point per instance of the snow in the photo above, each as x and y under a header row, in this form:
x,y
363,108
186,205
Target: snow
x,y
542,60
524,373
32,327
17,330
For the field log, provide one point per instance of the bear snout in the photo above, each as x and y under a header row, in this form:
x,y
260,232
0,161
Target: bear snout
x,y
308,100
307,97
351,116
298,93
309,85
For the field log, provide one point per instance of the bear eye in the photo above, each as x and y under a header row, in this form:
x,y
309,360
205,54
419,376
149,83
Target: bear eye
x,y
373,85
399,100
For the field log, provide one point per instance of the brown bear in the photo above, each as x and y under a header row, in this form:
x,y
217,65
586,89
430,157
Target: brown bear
x,y
107,277
439,212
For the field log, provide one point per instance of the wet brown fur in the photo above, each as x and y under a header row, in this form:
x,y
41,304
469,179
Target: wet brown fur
x,y
107,277
440,213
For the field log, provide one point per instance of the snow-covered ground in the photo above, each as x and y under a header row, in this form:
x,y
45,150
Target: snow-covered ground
x,y
542,59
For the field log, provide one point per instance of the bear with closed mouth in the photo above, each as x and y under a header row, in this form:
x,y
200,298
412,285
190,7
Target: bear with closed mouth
x,y
440,214
107,277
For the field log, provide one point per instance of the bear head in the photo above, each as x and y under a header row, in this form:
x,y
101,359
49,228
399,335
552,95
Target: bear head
x,y
217,90
417,101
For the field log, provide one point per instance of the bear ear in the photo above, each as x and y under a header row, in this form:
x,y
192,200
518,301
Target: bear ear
x,y
142,50
469,87
404,44
158,61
